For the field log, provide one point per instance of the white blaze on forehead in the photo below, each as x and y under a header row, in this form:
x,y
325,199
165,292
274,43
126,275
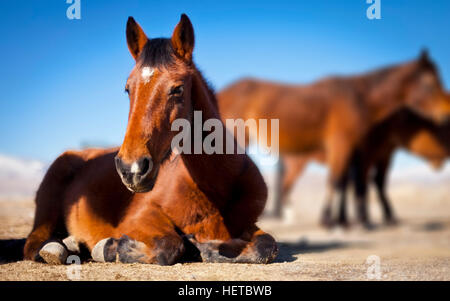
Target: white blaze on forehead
x,y
147,72
134,168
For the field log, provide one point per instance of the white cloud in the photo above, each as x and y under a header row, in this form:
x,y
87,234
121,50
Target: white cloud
x,y
19,178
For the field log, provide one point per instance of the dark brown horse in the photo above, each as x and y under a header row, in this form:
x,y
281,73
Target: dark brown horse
x,y
333,115
370,163
143,203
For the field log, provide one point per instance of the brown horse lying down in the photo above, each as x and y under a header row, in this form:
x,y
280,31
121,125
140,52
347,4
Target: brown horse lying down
x,y
333,115
143,203
371,161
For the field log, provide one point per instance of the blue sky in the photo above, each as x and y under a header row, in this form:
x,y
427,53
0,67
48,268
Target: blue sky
x,y
62,80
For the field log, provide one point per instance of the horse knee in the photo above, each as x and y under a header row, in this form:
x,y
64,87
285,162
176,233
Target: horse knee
x,y
164,250
261,249
168,249
266,248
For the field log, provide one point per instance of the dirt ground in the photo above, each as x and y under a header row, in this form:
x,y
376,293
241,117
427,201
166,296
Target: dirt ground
x,y
417,249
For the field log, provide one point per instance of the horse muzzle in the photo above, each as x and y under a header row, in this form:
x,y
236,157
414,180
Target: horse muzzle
x,y
139,176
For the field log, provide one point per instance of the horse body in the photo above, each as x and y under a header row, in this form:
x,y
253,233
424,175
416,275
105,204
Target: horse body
x,y
331,117
403,129
309,108
96,204
169,202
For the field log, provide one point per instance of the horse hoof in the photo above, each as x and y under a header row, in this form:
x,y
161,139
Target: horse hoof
x,y
71,244
368,226
54,253
391,222
105,250
327,220
344,224
267,248
327,223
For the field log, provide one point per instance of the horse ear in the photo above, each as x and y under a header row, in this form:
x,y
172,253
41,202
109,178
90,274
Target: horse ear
x,y
136,38
183,38
424,56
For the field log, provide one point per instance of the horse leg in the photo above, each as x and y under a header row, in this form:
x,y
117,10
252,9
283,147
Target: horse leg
x,y
260,248
326,219
289,169
150,239
361,167
294,167
338,155
231,236
380,184
49,222
155,248
162,249
278,195
342,218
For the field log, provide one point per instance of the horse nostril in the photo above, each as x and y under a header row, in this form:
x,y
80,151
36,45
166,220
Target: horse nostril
x,y
117,161
120,166
447,119
145,165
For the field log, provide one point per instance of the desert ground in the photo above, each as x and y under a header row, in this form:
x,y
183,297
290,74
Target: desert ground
x,y
417,249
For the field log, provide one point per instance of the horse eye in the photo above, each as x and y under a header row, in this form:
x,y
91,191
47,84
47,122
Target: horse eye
x,y
176,91
428,87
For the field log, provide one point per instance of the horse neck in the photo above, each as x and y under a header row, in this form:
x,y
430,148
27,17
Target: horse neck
x,y
212,173
444,137
407,127
384,91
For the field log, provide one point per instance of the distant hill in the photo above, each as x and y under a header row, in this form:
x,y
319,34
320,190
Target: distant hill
x,y
422,174
19,178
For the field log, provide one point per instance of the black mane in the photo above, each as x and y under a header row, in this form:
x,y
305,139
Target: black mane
x,y
157,53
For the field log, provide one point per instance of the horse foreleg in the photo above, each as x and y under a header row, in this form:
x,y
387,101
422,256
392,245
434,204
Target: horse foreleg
x,y
278,195
261,248
342,218
338,157
160,249
149,238
293,168
380,184
361,165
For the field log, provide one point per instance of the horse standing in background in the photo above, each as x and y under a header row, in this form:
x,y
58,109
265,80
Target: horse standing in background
x,y
370,163
143,203
405,130
333,115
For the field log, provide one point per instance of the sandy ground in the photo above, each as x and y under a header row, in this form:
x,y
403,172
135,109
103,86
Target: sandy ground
x,y
417,249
